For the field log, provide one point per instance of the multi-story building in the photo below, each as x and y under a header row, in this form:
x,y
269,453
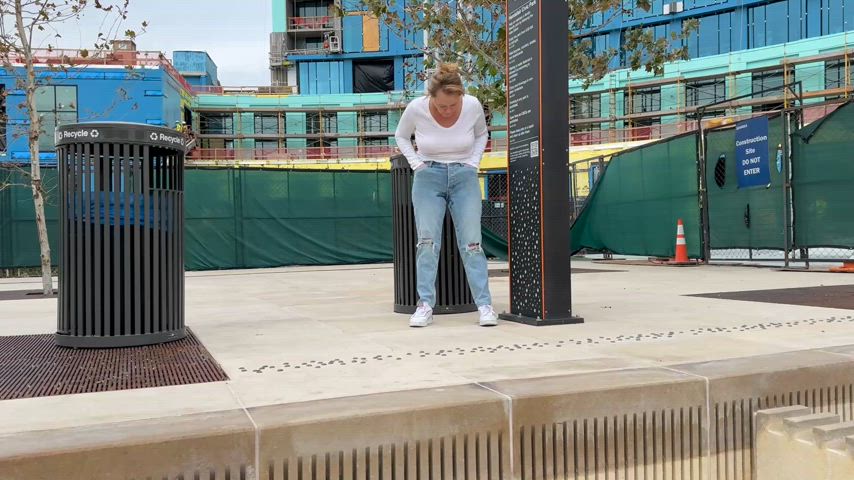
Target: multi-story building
x,y
751,48
333,47
123,84
741,48
196,67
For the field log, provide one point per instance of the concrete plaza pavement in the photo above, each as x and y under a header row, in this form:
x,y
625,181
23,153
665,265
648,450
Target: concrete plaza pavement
x,y
289,335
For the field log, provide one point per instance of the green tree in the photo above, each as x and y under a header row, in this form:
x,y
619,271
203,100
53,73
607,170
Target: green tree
x,y
472,34
24,25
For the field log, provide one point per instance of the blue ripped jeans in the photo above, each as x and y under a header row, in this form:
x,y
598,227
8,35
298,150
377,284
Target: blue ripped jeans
x,y
438,187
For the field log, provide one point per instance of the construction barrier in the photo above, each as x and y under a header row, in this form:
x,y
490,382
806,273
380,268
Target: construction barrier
x,y
823,181
750,218
633,207
243,218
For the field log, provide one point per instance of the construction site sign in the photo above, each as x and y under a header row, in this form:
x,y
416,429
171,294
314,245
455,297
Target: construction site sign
x,y
751,153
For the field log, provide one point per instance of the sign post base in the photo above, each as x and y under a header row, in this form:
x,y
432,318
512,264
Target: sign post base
x,y
539,322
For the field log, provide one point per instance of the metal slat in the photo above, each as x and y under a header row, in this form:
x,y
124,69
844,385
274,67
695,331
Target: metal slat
x,y
146,226
137,240
127,187
155,229
173,243
63,229
181,264
97,253
87,263
116,272
78,241
162,281
106,246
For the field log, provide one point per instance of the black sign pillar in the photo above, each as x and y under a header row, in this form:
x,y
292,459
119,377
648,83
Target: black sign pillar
x,y
538,162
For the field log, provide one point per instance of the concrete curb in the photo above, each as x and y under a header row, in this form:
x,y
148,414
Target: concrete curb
x,y
692,421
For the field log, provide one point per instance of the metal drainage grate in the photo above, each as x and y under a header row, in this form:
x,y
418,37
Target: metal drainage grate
x,y
25,295
836,296
34,366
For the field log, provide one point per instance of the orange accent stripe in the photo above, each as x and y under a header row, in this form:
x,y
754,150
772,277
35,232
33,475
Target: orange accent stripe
x,y
540,146
507,89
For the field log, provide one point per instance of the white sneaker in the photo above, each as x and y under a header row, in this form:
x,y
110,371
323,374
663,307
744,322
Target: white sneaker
x,y
422,317
488,317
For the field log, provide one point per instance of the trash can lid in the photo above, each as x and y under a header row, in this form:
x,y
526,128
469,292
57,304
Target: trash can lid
x,y
121,132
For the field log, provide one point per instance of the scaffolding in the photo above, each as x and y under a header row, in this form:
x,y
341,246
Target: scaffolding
x,y
370,127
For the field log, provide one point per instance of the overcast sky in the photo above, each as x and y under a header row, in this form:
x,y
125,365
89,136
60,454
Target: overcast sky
x,y
235,34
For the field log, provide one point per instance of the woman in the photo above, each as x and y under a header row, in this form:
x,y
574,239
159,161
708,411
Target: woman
x,y
450,131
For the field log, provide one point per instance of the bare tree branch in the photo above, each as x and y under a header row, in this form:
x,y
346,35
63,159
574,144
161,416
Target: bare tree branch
x,y
21,22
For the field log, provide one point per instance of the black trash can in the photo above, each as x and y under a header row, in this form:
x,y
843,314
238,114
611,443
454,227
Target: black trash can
x,y
121,280
452,290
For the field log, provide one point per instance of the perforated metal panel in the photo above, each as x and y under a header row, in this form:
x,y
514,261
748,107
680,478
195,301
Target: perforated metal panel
x,y
526,288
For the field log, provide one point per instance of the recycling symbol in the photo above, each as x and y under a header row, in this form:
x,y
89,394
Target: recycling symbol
x,y
95,134
153,136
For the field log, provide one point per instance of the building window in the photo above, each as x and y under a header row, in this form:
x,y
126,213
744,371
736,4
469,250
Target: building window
x,y
266,124
216,124
586,134
309,43
266,144
643,100
644,129
218,143
317,143
705,92
585,106
713,36
373,141
373,122
834,75
768,84
313,8
56,105
770,25
321,122
582,128
772,81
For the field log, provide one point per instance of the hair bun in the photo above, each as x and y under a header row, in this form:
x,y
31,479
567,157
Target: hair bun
x,y
446,79
449,69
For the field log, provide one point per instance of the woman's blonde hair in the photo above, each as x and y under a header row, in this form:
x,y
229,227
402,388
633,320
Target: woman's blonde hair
x,y
446,79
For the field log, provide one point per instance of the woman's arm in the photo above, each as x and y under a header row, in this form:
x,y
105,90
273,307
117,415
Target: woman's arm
x,y
403,137
481,137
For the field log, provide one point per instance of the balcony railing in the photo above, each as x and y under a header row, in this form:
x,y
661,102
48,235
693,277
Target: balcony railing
x,y
262,90
311,24
291,155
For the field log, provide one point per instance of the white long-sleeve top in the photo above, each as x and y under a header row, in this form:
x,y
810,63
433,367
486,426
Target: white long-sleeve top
x,y
463,142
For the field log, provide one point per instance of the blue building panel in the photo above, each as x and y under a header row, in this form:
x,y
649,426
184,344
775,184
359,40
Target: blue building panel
x,y
384,38
352,32
198,65
323,78
92,94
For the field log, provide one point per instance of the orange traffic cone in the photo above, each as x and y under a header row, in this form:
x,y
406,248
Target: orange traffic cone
x,y
847,267
681,246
